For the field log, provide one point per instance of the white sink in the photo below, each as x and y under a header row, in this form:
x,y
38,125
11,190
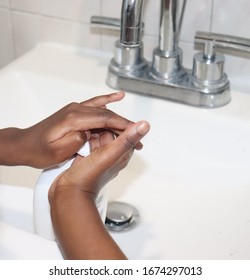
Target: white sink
x,y
190,183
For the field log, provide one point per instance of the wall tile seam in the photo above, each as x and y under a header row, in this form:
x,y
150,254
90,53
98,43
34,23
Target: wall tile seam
x,y
14,46
4,8
211,16
191,42
28,13
101,7
7,9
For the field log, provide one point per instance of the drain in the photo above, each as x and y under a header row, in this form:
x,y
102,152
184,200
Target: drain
x,y
121,216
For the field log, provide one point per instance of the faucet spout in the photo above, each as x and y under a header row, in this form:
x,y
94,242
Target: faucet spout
x,y
131,23
167,57
168,26
171,17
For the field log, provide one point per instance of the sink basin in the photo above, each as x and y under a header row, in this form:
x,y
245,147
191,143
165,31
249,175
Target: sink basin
x,y
190,183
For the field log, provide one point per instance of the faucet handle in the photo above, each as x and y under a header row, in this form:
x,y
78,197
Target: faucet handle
x,y
129,51
208,67
107,22
221,41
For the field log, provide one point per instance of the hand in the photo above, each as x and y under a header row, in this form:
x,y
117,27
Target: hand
x,y
107,158
77,224
61,135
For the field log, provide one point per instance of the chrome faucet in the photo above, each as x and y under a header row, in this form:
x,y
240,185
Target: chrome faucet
x,y
131,24
206,85
167,57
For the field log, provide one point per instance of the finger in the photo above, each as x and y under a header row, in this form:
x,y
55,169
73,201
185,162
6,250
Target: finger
x,y
88,119
103,100
112,157
94,142
106,137
125,142
138,146
132,136
68,145
96,118
99,140
113,134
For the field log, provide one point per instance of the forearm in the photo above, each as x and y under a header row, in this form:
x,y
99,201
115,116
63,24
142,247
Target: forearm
x,y
12,147
78,227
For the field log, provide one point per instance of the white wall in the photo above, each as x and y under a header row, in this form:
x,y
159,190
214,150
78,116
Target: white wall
x,y
24,23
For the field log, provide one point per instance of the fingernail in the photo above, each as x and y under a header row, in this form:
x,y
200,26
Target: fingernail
x,y
143,128
119,92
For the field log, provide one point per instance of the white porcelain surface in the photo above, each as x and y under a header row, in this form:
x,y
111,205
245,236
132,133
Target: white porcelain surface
x,y
16,206
191,181
17,238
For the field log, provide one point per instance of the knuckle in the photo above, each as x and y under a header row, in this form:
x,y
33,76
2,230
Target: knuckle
x,y
71,109
80,138
72,106
107,114
128,142
71,116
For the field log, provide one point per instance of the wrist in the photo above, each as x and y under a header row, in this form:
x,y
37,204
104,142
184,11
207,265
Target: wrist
x,y
13,147
64,193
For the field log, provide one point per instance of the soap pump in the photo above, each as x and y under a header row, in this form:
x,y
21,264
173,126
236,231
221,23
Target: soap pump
x,y
41,207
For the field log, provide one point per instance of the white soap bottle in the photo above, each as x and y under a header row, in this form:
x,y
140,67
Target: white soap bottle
x,y
41,207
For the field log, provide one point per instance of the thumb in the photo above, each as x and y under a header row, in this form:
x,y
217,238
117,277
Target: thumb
x,y
110,157
126,141
132,136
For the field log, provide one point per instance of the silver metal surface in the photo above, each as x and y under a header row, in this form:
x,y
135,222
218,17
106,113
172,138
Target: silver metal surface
x,y
107,22
208,66
169,26
121,216
208,69
128,60
131,23
206,85
222,41
167,57
185,91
